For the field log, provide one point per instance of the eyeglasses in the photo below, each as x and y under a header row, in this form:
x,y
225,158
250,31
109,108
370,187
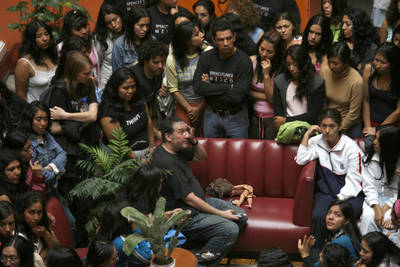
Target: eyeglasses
x,y
12,259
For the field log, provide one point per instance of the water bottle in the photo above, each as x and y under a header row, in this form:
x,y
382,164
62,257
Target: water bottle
x,y
84,105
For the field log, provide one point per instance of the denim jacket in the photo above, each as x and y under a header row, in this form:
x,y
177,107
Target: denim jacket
x,y
123,54
49,153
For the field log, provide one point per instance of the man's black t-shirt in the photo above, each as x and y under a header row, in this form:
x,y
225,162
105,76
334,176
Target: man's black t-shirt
x,y
160,24
177,185
146,87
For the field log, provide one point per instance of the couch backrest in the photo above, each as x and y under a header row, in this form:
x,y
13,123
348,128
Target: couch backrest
x,y
270,168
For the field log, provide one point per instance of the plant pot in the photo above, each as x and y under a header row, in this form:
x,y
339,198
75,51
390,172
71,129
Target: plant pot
x,y
172,264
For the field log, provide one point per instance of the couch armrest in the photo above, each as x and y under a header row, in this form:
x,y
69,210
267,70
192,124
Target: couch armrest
x,y
303,200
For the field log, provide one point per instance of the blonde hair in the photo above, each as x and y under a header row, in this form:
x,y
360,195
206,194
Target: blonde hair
x,y
76,62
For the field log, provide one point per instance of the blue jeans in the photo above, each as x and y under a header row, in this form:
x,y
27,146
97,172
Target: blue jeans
x,y
232,126
218,233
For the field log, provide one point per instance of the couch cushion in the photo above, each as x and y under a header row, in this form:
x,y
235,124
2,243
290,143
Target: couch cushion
x,y
270,168
270,224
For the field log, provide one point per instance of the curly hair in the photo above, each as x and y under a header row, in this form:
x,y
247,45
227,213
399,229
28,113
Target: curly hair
x,y
305,67
219,188
243,40
111,103
273,37
364,33
30,47
246,11
133,17
338,6
323,46
393,14
181,38
151,49
102,32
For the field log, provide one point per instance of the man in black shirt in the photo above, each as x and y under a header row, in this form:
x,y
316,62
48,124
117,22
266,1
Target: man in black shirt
x,y
269,9
160,16
223,76
148,71
214,222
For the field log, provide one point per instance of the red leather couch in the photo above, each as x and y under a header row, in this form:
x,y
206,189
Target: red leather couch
x,y
281,212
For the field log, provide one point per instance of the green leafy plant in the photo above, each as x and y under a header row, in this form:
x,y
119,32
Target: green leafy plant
x,y
49,11
108,172
154,227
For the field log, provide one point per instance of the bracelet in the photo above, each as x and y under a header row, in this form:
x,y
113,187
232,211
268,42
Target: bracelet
x,y
195,143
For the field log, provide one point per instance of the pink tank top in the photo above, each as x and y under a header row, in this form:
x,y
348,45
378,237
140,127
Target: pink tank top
x,y
261,107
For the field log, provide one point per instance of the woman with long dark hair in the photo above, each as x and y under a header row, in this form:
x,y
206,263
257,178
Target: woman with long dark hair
x,y
266,66
288,28
360,36
109,27
381,103
34,223
205,11
344,88
338,174
37,61
181,64
333,11
342,228
136,31
48,154
123,106
299,92
380,183
378,250
76,23
317,39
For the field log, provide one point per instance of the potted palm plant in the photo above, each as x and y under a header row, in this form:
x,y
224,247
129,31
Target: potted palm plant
x,y
154,227
108,172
